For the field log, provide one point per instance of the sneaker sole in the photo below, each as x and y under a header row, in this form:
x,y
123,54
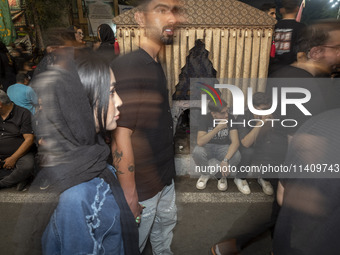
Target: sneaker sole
x,y
222,189
244,193
266,193
240,190
200,188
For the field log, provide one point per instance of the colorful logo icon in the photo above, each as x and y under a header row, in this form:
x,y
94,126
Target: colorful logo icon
x,y
209,93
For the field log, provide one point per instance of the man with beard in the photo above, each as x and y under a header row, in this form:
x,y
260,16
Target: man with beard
x,y
142,147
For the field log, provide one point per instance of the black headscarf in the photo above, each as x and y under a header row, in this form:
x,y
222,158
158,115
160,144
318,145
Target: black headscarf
x,y
72,153
7,68
106,49
106,34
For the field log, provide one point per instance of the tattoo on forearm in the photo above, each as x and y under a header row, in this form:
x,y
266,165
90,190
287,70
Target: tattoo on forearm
x,y
131,169
117,156
119,172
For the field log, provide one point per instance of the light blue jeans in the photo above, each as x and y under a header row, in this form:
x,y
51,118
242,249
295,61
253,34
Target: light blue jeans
x,y
214,154
86,221
159,218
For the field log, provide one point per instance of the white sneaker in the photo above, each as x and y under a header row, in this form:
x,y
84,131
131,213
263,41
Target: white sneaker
x,y
242,186
266,186
222,184
202,181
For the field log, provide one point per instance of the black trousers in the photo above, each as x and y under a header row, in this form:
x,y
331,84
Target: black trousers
x,y
23,169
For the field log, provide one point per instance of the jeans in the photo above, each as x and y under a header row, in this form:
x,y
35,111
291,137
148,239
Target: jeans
x,y
159,218
214,154
86,221
246,160
22,170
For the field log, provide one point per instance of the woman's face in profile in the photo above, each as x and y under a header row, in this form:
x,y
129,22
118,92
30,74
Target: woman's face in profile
x,y
79,35
114,103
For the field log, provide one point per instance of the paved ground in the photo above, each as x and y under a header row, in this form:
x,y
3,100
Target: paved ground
x,y
207,216
204,217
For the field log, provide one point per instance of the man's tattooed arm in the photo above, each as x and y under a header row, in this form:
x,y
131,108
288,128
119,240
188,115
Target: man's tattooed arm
x,y
131,168
117,157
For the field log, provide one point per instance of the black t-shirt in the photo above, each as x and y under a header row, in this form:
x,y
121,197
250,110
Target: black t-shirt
x,y
246,124
266,146
287,34
291,72
107,51
309,219
12,129
292,113
206,124
243,130
142,86
324,94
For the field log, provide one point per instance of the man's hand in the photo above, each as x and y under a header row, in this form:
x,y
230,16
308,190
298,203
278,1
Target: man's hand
x,y
221,126
224,168
135,207
265,117
10,162
21,151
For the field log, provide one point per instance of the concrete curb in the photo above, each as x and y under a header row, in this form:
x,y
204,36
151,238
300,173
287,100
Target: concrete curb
x,y
18,197
228,197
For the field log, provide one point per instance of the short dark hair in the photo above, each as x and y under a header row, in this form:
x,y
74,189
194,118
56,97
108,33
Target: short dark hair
x,y
59,36
94,73
290,5
218,107
4,99
72,28
317,34
21,77
142,4
267,6
260,98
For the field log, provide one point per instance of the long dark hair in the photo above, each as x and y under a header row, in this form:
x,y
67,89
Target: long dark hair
x,y
106,34
94,74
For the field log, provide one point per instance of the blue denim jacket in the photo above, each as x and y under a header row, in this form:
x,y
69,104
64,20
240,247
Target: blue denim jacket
x,y
86,221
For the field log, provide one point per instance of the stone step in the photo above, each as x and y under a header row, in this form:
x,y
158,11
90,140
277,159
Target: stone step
x,y
204,216
185,188
186,192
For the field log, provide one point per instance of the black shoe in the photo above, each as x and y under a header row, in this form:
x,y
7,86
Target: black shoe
x,y
21,186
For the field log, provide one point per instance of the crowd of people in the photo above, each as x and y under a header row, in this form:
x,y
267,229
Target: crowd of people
x,y
304,54
94,131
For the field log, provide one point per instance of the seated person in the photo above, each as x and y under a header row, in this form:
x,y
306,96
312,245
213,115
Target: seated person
x,y
251,139
23,95
217,145
16,140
